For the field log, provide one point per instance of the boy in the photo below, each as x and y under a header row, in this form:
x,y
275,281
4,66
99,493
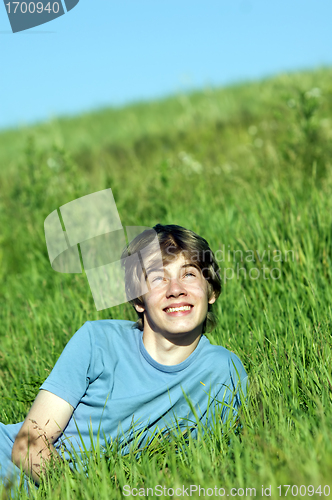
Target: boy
x,y
122,378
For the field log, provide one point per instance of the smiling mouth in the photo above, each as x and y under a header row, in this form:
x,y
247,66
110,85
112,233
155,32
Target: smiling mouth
x,y
178,309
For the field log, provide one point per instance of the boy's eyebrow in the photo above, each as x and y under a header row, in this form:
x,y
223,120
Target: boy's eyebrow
x,y
159,270
154,270
191,265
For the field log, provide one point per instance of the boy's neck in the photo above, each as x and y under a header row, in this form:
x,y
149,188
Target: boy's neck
x,y
168,351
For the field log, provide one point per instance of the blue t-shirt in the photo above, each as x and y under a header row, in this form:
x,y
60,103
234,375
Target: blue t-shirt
x,y
119,391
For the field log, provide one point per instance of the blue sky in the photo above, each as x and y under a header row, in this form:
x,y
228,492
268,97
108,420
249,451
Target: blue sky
x,y
109,53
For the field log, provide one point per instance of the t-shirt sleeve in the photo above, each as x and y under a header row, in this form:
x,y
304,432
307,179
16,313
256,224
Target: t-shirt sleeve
x,y
69,378
234,392
238,381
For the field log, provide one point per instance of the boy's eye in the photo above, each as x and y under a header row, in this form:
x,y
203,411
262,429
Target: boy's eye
x,y
190,274
157,278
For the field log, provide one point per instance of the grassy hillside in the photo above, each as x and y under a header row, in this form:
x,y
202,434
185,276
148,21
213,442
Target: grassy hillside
x,y
247,167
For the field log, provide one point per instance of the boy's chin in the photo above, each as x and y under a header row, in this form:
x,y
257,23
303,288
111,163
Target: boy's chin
x,y
184,329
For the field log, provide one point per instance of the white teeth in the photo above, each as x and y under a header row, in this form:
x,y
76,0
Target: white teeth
x,y
183,308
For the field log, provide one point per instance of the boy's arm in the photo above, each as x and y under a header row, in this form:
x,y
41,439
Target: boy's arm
x,y
44,423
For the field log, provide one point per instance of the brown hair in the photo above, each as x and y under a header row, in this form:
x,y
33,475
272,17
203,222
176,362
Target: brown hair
x,y
172,240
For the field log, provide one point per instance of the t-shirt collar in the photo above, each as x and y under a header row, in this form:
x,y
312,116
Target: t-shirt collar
x,y
170,368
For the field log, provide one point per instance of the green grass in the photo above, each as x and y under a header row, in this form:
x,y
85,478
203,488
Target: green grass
x,y
248,168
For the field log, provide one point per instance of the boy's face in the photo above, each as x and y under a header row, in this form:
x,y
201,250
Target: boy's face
x,y
177,303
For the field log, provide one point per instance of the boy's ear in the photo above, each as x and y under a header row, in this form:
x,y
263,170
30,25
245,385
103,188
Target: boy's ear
x,y
139,308
212,299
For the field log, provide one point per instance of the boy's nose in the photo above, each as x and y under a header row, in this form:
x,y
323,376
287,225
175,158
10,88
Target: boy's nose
x,y
175,287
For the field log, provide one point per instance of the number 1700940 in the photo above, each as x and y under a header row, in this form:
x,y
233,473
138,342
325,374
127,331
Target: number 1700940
x,y
32,7
303,490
